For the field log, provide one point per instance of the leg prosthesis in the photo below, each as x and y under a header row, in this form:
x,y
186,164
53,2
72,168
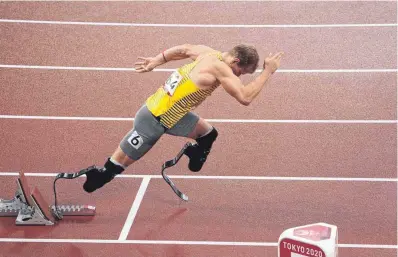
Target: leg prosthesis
x,y
97,177
197,153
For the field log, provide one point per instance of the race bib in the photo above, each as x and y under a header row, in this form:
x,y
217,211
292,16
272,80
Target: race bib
x,y
135,140
172,83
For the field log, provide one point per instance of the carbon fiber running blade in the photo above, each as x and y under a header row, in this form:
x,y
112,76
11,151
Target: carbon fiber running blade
x,y
171,163
175,189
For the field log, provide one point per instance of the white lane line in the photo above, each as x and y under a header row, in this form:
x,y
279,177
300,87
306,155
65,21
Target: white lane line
x,y
134,208
24,117
225,177
167,242
17,66
173,25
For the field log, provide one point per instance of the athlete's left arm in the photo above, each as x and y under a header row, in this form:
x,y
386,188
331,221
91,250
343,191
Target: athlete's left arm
x,y
172,54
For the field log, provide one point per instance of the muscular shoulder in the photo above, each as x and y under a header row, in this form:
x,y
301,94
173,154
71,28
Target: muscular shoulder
x,y
220,68
204,74
210,70
195,51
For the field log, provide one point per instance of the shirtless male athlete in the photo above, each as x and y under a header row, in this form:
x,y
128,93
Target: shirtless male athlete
x,y
169,109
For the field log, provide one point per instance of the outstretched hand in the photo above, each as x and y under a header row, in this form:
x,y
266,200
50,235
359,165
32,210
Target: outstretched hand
x,y
145,64
272,62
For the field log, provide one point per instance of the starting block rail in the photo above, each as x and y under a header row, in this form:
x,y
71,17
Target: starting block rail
x,y
34,210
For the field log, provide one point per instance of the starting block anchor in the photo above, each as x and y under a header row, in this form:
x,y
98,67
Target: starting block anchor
x,y
33,209
313,240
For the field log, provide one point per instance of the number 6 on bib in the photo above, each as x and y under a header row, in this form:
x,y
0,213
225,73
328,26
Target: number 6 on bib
x,y
135,140
172,83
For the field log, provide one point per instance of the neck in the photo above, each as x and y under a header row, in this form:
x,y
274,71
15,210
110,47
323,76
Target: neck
x,y
227,58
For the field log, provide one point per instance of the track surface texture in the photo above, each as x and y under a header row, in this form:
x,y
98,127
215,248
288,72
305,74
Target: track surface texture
x,y
319,144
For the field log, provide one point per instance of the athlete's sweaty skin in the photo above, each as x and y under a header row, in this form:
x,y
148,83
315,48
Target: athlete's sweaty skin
x,y
169,109
208,72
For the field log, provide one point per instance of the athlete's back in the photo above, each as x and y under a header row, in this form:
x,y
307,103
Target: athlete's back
x,y
185,89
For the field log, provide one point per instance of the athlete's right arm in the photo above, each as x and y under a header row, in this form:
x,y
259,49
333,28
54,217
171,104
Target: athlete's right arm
x,y
193,51
179,52
182,52
234,86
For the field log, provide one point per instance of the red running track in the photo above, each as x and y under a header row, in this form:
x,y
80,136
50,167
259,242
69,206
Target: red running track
x,y
221,210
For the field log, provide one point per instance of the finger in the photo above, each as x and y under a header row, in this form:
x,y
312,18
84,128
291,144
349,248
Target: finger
x,y
139,63
279,55
140,69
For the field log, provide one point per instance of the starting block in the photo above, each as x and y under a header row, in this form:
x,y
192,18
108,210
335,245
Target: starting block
x,y
34,210
313,240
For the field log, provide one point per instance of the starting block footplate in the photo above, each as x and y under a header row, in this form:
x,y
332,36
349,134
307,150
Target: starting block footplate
x,y
34,210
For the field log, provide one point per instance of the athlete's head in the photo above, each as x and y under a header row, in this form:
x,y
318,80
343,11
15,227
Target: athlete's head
x,y
244,59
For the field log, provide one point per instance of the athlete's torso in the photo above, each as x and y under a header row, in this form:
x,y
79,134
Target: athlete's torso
x,y
179,94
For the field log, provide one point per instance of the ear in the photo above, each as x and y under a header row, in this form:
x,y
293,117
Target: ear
x,y
236,60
